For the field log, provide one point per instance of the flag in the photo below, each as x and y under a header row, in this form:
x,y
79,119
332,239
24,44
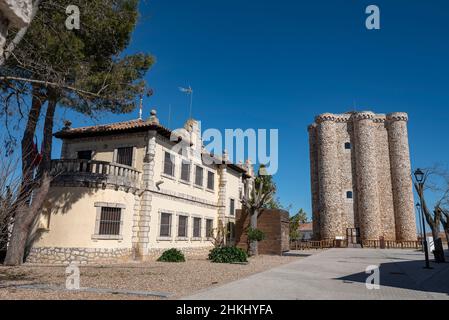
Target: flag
x,y
186,90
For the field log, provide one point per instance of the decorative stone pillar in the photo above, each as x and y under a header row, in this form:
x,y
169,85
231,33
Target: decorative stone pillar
x,y
223,181
329,193
142,213
314,182
401,177
367,188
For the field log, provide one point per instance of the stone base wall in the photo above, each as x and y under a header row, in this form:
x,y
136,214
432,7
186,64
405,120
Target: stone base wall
x,y
189,252
80,255
65,256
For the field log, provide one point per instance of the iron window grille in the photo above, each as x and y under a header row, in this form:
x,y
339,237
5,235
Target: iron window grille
x,y
165,227
210,180
125,156
197,227
169,164
185,171
110,221
209,228
199,176
232,207
182,226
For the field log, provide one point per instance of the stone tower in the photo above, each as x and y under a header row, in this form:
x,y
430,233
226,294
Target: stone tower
x,y
361,176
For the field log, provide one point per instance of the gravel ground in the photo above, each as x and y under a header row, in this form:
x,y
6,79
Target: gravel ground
x,y
179,279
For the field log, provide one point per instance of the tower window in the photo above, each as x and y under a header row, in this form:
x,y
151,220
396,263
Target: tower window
x,y
349,195
348,145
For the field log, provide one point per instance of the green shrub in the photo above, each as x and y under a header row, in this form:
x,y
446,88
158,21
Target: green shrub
x,y
255,235
172,255
228,255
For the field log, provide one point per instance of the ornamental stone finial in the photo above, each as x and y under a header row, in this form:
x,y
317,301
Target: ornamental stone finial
x,y
153,117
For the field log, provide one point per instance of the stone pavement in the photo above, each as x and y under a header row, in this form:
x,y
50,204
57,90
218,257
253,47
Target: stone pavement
x,y
340,274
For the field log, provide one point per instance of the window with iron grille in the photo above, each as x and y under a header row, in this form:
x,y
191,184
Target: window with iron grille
x,y
232,207
209,228
199,176
210,180
197,227
182,226
125,156
85,155
185,171
110,221
165,228
169,164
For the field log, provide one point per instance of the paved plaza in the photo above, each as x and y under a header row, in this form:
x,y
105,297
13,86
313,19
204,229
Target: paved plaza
x,y
340,274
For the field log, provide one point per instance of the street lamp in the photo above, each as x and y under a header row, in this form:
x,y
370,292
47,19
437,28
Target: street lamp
x,y
419,176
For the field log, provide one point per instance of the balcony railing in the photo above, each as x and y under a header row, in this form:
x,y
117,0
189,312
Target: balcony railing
x,y
77,170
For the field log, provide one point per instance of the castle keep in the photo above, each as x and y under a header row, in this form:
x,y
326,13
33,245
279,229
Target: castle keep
x,y
361,176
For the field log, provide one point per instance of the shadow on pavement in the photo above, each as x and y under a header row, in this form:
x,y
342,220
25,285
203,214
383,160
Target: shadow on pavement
x,y
409,275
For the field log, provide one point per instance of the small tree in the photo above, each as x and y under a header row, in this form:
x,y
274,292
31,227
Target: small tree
x,y
260,197
435,180
295,222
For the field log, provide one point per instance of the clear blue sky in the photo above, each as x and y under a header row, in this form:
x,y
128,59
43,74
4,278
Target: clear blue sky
x,y
277,64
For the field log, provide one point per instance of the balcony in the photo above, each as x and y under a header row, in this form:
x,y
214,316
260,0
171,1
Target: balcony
x,y
92,173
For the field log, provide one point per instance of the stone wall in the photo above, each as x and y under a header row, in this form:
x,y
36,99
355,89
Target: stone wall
x,y
54,255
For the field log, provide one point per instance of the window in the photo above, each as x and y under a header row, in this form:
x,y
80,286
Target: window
x,y
232,207
110,221
169,164
185,171
209,228
197,227
199,176
348,145
165,230
125,156
85,155
230,237
210,180
349,195
182,226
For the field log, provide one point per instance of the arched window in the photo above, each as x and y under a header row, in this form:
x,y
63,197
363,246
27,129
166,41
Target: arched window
x,y
349,195
348,145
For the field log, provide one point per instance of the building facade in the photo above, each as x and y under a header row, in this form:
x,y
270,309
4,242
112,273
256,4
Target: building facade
x,y
361,176
122,191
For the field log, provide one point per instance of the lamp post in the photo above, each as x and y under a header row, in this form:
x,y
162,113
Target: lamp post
x,y
421,229
419,176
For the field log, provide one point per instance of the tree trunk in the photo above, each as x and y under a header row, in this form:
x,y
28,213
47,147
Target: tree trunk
x,y
27,215
254,248
47,141
28,155
23,224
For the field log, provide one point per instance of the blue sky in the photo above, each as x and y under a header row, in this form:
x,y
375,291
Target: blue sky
x,y
277,64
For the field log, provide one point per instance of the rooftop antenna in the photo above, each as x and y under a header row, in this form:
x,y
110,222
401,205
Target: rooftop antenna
x,y
188,91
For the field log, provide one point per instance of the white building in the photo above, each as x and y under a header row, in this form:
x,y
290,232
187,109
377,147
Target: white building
x,y
121,192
